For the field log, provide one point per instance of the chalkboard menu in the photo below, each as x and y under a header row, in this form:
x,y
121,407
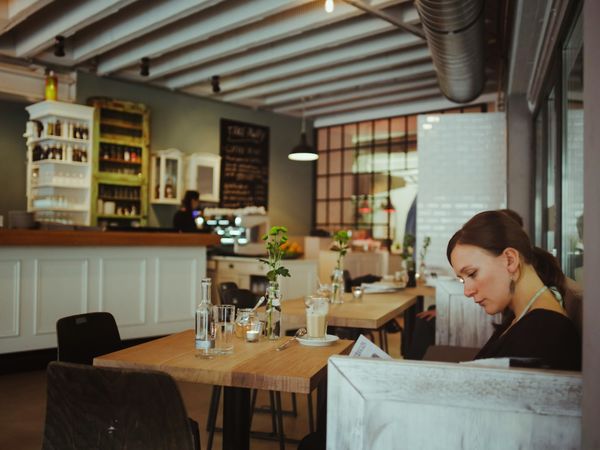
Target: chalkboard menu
x,y
244,165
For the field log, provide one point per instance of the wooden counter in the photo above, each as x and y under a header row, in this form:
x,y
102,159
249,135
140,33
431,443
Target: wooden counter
x,y
76,238
149,281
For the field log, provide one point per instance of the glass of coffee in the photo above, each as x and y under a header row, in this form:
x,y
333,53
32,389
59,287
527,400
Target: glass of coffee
x,y
316,316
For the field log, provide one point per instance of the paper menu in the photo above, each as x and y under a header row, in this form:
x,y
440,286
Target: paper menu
x,y
364,348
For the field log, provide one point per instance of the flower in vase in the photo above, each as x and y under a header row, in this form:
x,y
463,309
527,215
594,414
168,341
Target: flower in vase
x,y
340,245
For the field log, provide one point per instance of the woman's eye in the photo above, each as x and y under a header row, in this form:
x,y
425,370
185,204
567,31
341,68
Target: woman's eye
x,y
472,274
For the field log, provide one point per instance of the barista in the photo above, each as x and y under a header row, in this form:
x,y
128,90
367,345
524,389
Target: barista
x,y
184,219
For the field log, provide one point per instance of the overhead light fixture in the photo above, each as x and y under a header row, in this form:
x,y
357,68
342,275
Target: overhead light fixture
x,y
388,207
59,46
303,151
329,6
145,67
364,207
216,86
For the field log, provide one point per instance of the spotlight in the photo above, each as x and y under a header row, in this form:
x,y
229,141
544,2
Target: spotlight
x,y
214,81
59,46
145,67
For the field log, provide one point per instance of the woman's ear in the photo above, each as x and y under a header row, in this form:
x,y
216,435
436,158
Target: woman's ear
x,y
512,259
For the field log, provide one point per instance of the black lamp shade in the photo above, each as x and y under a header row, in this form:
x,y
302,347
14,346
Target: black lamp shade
x,y
303,151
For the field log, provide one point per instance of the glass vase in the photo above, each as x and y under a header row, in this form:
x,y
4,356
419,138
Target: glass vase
x,y
410,270
337,285
273,322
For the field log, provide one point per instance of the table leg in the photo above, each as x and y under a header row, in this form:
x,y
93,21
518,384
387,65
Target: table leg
x,y
236,419
409,324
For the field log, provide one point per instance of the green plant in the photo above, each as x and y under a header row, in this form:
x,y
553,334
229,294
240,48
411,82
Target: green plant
x,y
423,252
274,240
408,247
341,240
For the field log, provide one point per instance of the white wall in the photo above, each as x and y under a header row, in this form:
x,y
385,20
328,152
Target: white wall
x,y
462,171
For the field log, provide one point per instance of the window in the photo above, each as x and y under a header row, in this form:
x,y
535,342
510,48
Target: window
x,y
367,175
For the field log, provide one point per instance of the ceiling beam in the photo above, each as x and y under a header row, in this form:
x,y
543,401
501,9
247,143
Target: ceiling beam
x,y
13,12
386,76
309,18
384,15
395,88
311,42
287,81
64,21
131,24
220,20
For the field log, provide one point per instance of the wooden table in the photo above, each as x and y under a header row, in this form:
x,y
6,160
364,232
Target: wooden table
x,y
252,365
374,311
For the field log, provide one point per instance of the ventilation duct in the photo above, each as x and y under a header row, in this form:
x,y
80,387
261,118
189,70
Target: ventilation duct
x,y
454,31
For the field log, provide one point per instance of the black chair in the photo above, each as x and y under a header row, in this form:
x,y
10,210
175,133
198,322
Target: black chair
x,y
84,336
240,298
223,287
101,408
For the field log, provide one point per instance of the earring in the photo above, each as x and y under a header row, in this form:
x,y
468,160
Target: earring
x,y
511,286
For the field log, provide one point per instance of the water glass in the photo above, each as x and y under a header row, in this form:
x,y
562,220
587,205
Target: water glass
x,y
316,316
224,320
357,293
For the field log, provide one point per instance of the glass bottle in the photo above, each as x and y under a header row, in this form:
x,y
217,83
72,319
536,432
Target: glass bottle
x,y
51,86
337,285
205,327
273,325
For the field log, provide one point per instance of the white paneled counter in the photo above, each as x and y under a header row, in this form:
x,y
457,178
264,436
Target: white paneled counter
x,y
149,281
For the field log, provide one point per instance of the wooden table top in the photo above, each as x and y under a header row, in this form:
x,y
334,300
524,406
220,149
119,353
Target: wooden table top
x,y
251,365
372,312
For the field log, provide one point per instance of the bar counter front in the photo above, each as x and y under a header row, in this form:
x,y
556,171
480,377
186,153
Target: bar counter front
x,y
149,281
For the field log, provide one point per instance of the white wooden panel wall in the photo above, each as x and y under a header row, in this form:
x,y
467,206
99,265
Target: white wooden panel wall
x,y
462,171
150,290
9,297
459,320
383,405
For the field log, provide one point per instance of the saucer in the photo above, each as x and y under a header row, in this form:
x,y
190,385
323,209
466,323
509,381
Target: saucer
x,y
328,340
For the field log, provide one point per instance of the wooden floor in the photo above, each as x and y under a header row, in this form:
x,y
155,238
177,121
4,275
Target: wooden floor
x,y
23,398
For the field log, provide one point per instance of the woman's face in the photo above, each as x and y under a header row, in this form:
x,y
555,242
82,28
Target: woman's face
x,y
485,277
194,204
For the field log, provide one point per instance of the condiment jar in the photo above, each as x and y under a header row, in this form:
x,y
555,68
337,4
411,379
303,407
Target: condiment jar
x,y
242,321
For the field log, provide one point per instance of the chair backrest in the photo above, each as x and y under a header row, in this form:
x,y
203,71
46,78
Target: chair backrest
x,y
241,298
225,287
85,336
101,408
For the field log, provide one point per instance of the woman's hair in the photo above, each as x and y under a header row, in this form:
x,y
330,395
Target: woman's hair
x,y
513,215
187,199
495,231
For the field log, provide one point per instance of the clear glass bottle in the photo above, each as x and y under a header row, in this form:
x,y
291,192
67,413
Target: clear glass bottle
x,y
205,328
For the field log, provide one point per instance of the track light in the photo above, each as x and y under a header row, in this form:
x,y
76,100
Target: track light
x,y
59,46
145,67
216,87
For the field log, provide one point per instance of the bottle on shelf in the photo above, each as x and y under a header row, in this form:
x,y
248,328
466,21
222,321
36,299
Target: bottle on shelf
x,y
169,189
58,128
205,326
51,90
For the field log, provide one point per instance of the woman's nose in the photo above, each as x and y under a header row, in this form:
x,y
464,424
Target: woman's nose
x,y
469,289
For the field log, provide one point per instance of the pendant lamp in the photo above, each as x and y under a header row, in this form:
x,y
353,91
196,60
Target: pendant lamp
x,y
303,151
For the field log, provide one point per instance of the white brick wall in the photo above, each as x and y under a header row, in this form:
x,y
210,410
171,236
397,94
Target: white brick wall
x,y
462,171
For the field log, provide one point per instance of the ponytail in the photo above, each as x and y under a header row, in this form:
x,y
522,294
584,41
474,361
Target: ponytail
x,y
548,269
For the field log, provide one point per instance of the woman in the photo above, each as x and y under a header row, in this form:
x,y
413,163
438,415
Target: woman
x,y
184,219
499,267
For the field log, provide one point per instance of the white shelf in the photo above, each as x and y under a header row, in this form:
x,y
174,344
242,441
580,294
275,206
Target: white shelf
x,y
59,162
59,186
32,141
53,176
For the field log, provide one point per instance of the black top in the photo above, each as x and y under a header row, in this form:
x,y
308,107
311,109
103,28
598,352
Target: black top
x,y
184,221
541,333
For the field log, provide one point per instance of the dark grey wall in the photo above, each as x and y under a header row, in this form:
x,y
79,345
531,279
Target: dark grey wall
x,y
12,157
591,225
190,124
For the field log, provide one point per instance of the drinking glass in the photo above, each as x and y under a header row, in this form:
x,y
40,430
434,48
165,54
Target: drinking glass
x,y
316,316
357,293
224,317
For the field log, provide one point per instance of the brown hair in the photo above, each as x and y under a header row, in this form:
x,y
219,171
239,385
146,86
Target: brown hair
x,y
495,231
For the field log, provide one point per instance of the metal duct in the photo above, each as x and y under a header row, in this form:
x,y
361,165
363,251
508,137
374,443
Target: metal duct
x,y
454,31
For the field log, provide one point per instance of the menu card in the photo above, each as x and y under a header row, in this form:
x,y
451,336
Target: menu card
x,y
244,164
364,348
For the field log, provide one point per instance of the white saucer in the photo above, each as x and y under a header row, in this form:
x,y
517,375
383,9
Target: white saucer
x,y
328,340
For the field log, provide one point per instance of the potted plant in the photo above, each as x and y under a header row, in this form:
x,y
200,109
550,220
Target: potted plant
x,y
408,258
274,241
341,241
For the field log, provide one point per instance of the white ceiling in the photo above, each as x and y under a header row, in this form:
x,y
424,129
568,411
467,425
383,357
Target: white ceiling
x,y
280,55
